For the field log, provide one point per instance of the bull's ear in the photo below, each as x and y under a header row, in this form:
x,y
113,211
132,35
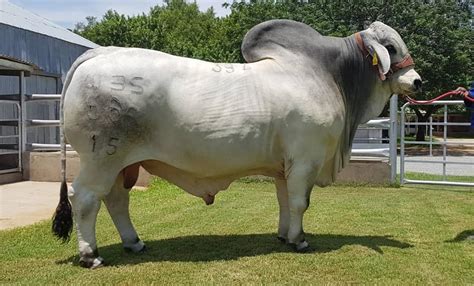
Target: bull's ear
x,y
380,55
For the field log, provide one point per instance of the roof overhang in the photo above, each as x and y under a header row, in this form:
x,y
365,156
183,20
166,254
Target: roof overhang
x,y
11,66
18,17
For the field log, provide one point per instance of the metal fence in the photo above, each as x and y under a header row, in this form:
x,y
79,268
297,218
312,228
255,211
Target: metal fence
x,y
10,145
41,123
444,143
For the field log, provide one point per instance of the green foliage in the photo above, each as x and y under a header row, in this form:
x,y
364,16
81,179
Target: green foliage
x,y
439,34
177,28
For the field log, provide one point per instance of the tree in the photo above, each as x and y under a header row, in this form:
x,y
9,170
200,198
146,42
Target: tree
x,y
177,27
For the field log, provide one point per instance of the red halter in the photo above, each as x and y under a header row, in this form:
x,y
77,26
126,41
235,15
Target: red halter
x,y
407,61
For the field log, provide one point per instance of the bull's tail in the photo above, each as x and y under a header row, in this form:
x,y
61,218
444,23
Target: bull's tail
x,y
62,218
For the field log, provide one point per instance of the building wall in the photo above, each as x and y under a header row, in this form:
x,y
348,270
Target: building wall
x,y
54,57
50,54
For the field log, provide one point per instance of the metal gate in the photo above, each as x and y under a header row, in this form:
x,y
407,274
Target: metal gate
x,y
10,145
14,124
443,160
11,127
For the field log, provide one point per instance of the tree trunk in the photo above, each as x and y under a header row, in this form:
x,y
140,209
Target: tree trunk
x,y
420,134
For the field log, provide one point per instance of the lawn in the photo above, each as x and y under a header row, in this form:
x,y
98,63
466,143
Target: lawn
x,y
360,234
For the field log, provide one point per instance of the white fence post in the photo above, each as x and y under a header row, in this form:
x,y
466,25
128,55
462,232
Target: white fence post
x,y
393,137
23,112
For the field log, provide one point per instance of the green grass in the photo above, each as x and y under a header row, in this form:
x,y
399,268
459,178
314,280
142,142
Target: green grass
x,y
363,234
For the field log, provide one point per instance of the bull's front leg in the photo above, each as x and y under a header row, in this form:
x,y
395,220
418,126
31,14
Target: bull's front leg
x,y
86,205
284,220
299,185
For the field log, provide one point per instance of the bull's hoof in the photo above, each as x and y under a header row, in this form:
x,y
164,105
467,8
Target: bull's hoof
x,y
302,247
136,247
282,239
91,262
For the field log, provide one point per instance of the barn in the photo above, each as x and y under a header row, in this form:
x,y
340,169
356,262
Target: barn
x,y
35,55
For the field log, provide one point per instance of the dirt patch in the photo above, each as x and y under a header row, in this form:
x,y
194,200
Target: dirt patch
x,y
25,203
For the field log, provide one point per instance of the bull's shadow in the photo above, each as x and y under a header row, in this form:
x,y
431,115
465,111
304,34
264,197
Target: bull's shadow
x,y
230,247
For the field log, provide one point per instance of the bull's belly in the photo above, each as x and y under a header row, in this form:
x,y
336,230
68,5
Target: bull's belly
x,y
203,187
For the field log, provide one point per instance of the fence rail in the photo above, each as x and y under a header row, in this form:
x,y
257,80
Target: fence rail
x,y
42,123
41,97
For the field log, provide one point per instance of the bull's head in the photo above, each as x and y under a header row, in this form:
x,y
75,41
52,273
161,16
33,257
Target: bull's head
x,y
391,57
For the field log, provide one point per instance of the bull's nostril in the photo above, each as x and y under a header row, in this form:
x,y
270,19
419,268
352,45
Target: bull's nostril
x,y
417,84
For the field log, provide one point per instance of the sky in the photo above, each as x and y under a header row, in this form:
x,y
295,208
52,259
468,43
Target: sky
x,y
69,12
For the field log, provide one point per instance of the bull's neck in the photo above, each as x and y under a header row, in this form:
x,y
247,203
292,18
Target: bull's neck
x,y
352,72
356,80
355,77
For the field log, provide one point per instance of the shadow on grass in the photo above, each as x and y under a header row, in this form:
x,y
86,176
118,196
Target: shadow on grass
x,y
230,247
463,235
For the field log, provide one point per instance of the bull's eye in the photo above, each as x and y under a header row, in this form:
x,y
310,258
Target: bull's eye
x,y
391,49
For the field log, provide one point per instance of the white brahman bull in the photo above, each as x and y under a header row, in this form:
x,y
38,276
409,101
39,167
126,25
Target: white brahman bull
x,y
289,113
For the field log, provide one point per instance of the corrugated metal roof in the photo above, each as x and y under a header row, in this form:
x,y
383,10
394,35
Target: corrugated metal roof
x,y
18,17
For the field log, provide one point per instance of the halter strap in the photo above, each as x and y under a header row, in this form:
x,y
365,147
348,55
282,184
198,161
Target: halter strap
x,y
407,61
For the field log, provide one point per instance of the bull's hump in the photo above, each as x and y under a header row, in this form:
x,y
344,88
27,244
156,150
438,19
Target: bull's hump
x,y
278,39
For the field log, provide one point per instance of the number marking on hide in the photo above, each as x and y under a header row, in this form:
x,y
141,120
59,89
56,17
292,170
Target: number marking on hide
x,y
217,68
229,68
92,82
130,85
118,82
112,145
115,109
92,111
93,143
135,82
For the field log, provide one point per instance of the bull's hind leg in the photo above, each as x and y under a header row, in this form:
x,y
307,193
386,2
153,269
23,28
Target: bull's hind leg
x,y
86,204
284,221
117,203
88,190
